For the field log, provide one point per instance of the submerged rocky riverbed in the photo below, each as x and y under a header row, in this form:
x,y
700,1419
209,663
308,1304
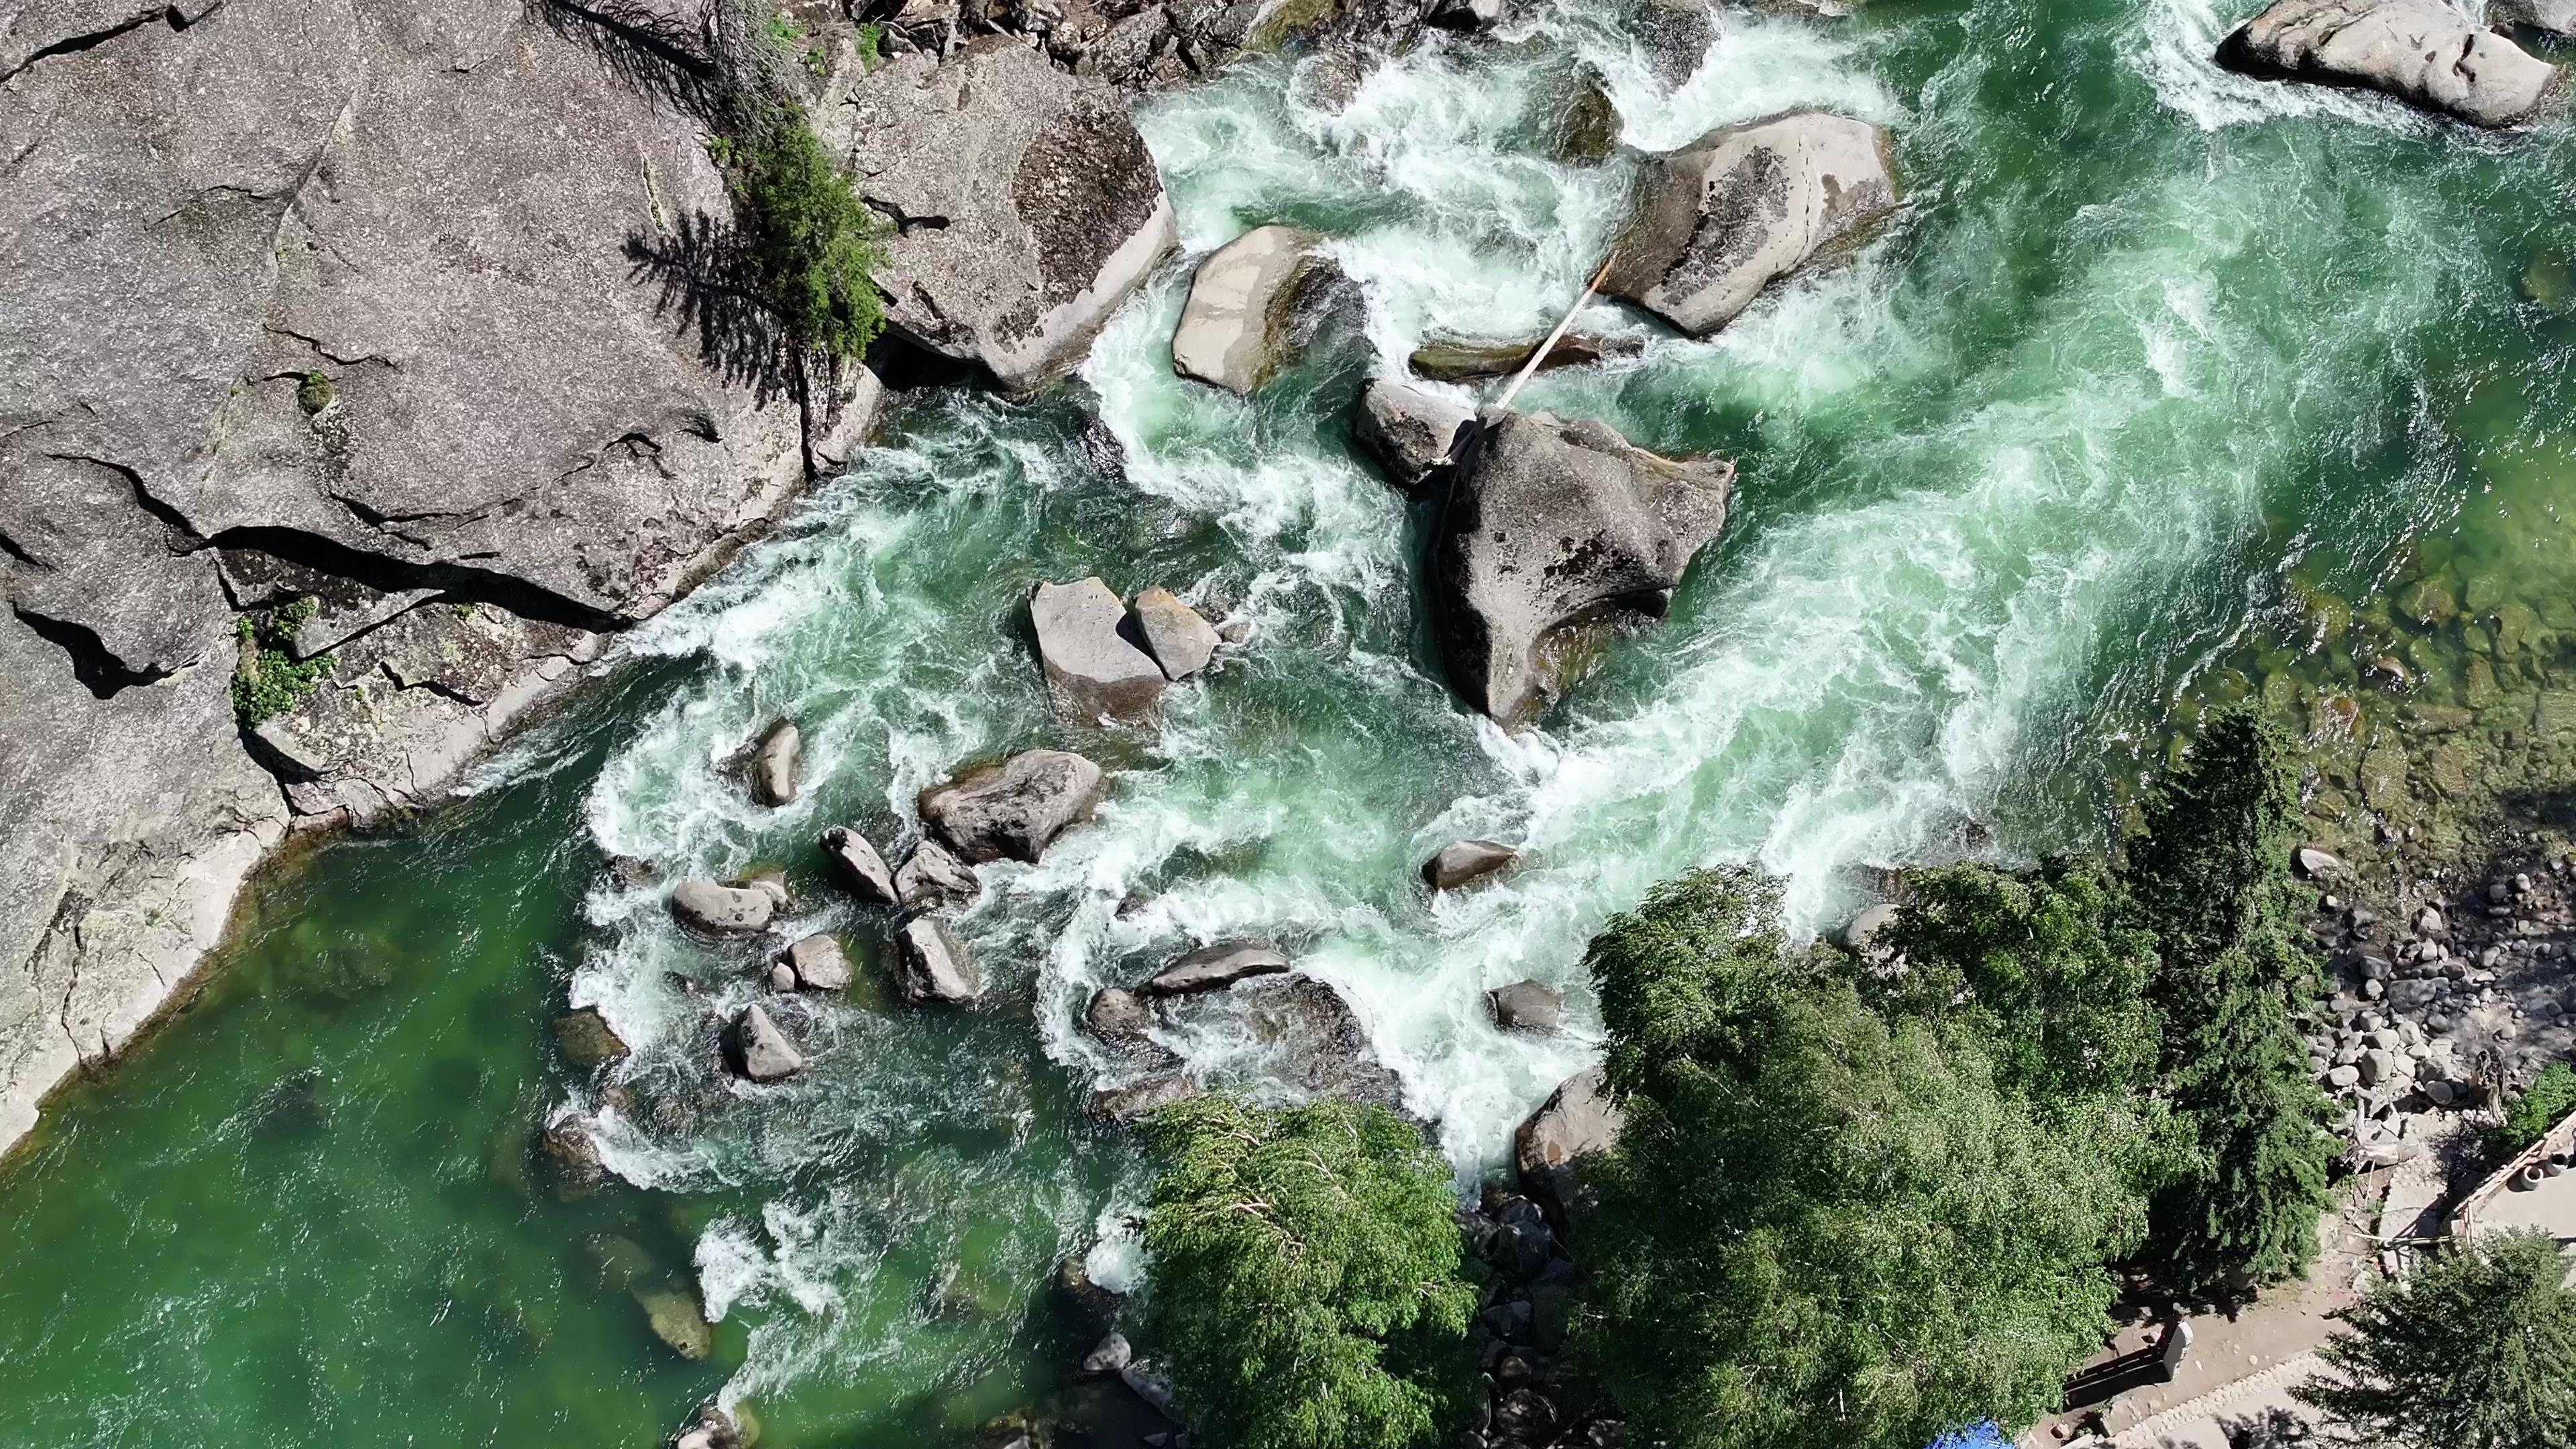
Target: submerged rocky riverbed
x,y
2168,386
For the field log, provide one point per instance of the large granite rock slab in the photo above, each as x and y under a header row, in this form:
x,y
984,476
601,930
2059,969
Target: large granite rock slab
x,y
1252,305
1555,526
1024,206
1015,809
1093,669
2426,53
1742,206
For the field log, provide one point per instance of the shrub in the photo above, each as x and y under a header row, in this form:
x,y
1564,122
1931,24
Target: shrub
x,y
1306,1289
269,681
2552,1095
808,241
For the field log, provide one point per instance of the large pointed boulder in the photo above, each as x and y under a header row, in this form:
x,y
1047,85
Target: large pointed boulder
x,y
1727,214
1015,809
2426,53
858,868
1555,526
761,1051
932,966
1576,1122
1093,668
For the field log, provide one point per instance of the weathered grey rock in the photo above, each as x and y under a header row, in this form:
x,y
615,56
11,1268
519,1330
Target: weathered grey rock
x,y
1301,1033
1578,1120
1463,862
2317,864
2426,53
818,963
1113,1354
725,909
858,868
1412,434
782,978
1676,35
932,878
932,965
587,1040
1526,1006
1133,1103
1555,526
771,882
1741,206
1214,968
1248,305
1120,1017
1093,669
1464,360
774,762
1025,207
763,1052
679,1320
1014,809
2346,1075
572,1159
2553,18
1172,632
2391,1153
1860,933
2379,1067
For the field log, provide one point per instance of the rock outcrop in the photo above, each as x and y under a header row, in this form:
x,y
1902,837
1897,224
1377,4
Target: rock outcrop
x,y
1253,304
1214,968
2555,19
1015,809
1413,434
932,965
1093,669
1741,206
857,867
1575,1122
1463,862
1557,525
2424,52
1022,204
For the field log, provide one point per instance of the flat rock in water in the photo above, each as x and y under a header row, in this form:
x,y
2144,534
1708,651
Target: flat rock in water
x,y
857,866
1128,1105
1214,968
1413,434
1526,1006
765,1052
1575,1122
1740,207
2423,52
586,1039
725,909
931,877
1026,206
1240,325
818,963
1555,526
1462,862
1092,668
774,762
1015,809
1463,360
932,965
1175,636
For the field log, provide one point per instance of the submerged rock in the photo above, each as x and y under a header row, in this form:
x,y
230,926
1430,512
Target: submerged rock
x,y
1179,640
1092,668
1412,434
1025,207
1252,305
586,1039
932,966
1214,968
572,1159
678,1320
1741,206
931,878
1120,1017
724,909
1526,1006
1014,809
818,963
857,866
1555,525
1463,861
762,1050
774,762
2423,52
1575,1122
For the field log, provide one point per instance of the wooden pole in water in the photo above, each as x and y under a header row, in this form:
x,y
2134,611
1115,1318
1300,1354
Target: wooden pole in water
x,y
1558,335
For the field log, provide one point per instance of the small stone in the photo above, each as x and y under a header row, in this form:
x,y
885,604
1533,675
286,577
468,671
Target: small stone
x,y
2374,988
2429,922
2316,863
1464,861
2343,1076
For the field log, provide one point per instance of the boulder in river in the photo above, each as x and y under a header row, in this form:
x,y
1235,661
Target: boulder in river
x,y
1577,1121
1462,862
1466,360
1676,35
1023,205
1180,641
2426,53
1014,809
678,1319
1526,1006
1743,205
572,1159
723,909
818,963
1255,302
1470,17
1413,434
1093,668
773,763
1558,525
763,1051
2555,19
1120,1017
932,965
857,866
1214,968
1128,1105
931,878
1113,1354
586,1039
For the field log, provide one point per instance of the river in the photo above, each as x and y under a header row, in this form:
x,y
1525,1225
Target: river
x,y
2156,360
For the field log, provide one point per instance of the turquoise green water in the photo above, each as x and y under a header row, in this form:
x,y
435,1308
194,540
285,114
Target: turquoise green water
x,y
2157,360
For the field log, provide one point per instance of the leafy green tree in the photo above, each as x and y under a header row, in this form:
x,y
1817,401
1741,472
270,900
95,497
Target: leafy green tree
x,y
1820,1227
1307,1288
2209,876
2476,1351
809,241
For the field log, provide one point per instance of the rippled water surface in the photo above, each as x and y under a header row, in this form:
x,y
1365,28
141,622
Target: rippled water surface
x,y
2159,368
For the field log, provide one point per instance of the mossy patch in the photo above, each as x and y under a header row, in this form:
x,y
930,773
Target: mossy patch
x,y
270,680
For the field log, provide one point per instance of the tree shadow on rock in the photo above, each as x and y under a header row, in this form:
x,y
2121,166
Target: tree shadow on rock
x,y
707,285
646,47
